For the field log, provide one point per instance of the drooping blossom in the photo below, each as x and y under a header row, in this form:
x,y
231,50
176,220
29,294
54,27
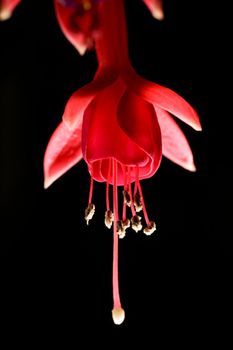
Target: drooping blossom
x,y
79,21
6,8
120,124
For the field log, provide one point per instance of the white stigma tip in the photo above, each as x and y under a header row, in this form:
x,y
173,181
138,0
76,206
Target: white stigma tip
x,y
118,315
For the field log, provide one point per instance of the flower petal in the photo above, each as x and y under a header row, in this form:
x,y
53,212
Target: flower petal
x,y
63,151
156,8
174,143
162,97
137,118
78,102
102,137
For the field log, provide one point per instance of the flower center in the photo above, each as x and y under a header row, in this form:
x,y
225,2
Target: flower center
x,y
133,199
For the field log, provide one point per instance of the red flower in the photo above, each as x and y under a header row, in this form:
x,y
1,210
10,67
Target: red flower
x,y
120,124
6,8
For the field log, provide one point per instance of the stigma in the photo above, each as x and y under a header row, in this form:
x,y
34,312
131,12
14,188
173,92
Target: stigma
x,y
118,315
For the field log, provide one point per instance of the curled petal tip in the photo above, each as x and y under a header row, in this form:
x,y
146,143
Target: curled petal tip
x,y
198,127
191,167
194,122
81,49
48,182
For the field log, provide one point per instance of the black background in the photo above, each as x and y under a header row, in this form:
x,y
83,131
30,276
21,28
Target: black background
x,y
56,271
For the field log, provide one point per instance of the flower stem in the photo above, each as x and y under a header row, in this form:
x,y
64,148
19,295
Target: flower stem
x,y
111,40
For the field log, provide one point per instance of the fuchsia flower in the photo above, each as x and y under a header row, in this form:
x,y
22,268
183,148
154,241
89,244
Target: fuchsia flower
x,y
6,8
120,124
78,20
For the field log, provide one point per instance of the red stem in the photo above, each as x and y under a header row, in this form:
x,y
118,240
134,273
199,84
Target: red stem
x,y
111,40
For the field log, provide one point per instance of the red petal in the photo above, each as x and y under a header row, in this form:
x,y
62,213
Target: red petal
x,y
95,171
156,8
79,101
138,120
102,137
162,97
174,143
63,151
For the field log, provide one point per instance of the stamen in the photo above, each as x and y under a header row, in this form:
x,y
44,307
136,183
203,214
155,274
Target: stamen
x,y
136,223
122,226
126,223
143,204
124,211
137,202
120,229
150,228
125,189
109,217
136,180
118,313
130,194
91,190
127,200
90,210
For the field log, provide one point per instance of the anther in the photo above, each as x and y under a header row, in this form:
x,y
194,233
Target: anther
x,y
138,202
89,212
136,223
126,223
120,229
109,217
150,228
127,198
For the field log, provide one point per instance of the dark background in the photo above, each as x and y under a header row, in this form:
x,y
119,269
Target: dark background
x,y
56,271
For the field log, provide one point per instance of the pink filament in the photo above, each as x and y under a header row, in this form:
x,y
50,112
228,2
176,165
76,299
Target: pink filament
x,y
130,194
91,191
136,181
125,189
143,203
